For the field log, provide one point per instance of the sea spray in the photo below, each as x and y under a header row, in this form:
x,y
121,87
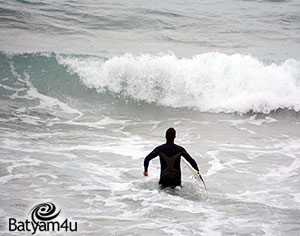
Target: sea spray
x,y
210,82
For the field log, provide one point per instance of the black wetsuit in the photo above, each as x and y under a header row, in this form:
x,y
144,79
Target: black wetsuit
x,y
169,156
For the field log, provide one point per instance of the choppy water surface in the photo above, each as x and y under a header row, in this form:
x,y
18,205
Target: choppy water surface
x,y
264,28
87,90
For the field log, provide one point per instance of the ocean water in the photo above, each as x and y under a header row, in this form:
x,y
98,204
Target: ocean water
x,y
88,89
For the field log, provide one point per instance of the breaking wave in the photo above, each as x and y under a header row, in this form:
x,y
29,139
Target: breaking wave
x,y
210,82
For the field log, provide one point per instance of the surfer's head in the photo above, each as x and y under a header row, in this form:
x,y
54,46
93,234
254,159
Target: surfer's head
x,y
170,134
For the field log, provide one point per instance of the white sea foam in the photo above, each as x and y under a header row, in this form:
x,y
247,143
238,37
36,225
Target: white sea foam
x,y
212,82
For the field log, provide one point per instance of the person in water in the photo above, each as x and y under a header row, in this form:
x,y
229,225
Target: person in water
x,y
169,156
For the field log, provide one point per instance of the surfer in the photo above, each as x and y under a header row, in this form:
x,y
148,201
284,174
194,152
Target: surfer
x,y
169,156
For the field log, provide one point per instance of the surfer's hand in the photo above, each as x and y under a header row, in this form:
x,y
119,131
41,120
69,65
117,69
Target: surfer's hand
x,y
145,173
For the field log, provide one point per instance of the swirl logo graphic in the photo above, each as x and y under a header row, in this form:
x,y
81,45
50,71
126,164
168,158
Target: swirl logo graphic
x,y
43,212
42,220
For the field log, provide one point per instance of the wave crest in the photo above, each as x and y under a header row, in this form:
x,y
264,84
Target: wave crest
x,y
211,82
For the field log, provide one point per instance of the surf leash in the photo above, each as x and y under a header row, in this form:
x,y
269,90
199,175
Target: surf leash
x,y
201,179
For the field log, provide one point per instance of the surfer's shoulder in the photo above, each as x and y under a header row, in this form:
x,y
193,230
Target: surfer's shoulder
x,y
160,147
180,148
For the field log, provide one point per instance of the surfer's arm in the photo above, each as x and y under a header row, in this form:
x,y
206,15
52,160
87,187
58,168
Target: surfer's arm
x,y
190,159
149,157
